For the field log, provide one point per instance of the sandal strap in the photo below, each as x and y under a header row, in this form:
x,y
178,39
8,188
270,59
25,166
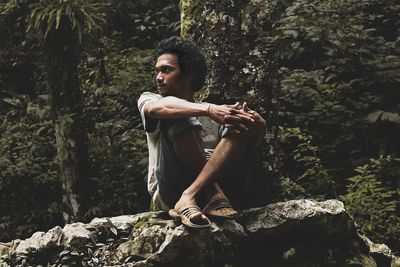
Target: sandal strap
x,y
190,211
218,204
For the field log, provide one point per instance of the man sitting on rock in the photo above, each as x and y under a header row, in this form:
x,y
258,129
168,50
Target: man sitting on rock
x,y
198,152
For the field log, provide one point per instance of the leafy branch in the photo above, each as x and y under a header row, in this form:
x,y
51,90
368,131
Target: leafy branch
x,y
48,14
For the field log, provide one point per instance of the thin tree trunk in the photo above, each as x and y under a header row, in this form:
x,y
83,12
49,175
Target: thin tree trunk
x,y
68,172
70,128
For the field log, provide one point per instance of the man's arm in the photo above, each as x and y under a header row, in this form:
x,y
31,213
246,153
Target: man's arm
x,y
171,107
257,128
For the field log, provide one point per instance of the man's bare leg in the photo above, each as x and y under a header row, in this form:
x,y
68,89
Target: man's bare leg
x,y
190,151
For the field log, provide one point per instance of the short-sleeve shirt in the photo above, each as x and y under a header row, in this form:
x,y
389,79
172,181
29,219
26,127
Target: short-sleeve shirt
x,y
210,135
152,129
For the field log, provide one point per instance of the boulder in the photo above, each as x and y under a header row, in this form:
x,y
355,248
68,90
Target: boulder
x,y
40,241
162,242
293,233
77,235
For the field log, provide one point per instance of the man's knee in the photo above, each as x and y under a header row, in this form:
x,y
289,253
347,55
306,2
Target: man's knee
x,y
236,138
251,142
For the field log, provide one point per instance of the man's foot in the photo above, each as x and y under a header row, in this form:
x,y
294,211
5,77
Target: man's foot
x,y
220,208
190,214
191,217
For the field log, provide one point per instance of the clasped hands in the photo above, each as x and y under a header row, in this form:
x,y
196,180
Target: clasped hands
x,y
238,117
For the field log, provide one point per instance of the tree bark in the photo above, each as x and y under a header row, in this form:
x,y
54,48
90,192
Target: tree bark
x,y
236,38
67,102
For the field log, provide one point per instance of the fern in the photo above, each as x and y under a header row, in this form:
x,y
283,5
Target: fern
x,y
381,115
48,14
372,204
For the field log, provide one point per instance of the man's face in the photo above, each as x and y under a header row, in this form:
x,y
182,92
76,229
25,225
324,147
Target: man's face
x,y
169,79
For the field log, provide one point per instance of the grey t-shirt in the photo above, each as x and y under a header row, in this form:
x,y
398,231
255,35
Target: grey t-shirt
x,y
210,134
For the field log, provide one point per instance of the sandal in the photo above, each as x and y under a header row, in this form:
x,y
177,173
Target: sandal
x,y
186,215
214,208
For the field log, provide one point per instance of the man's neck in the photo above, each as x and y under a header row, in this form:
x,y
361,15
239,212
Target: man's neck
x,y
186,94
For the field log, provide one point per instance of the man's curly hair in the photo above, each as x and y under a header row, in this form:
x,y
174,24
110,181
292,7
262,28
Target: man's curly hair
x,y
191,59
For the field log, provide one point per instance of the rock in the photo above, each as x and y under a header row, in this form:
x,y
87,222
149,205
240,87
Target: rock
x,y
381,253
4,249
282,213
123,222
292,215
161,242
76,235
41,241
297,233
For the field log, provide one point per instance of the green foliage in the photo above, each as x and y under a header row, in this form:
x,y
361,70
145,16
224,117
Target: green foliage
x,y
121,73
80,14
112,75
142,23
29,188
339,75
372,200
302,172
381,115
339,65
118,150
118,162
16,69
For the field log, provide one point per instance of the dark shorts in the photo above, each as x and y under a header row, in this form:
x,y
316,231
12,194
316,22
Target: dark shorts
x,y
173,177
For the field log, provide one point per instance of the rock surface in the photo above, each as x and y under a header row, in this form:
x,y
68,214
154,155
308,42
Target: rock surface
x,y
293,233
41,241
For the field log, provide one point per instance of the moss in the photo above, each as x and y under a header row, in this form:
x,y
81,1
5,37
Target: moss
x,y
145,221
139,224
187,15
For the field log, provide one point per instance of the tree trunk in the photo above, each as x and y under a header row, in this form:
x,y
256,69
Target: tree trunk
x,y
236,37
67,103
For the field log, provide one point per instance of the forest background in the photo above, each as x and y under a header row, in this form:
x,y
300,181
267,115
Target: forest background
x,y
71,140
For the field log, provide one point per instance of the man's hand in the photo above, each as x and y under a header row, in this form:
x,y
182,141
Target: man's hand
x,y
259,126
232,116
239,120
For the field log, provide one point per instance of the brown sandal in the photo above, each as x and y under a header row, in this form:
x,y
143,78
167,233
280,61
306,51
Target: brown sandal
x,y
214,207
187,214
